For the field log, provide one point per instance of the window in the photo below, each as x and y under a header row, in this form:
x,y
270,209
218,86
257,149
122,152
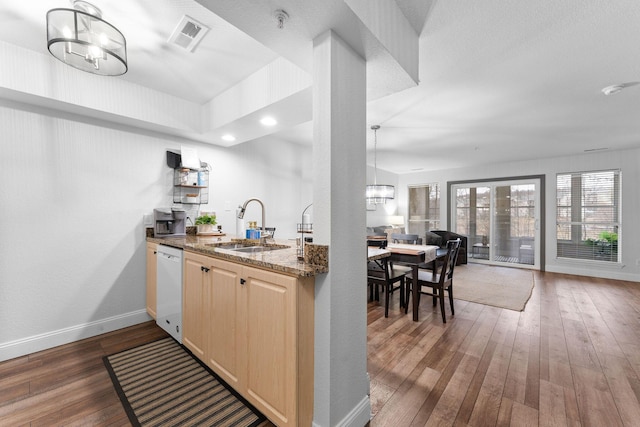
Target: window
x,y
472,209
588,215
424,208
500,218
522,207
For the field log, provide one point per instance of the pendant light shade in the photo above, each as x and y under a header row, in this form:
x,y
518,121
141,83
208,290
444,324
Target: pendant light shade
x,y
81,38
378,193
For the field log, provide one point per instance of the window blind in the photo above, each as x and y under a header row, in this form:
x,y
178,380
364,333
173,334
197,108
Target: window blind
x,y
424,208
588,215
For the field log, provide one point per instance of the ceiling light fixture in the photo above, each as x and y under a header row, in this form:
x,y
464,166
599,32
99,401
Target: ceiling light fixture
x,y
80,38
613,89
377,194
228,137
269,121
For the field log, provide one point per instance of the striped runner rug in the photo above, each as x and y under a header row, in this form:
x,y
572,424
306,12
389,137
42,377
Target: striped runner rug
x,y
162,384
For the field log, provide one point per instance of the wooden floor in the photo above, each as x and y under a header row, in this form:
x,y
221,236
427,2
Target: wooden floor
x,y
571,358
68,385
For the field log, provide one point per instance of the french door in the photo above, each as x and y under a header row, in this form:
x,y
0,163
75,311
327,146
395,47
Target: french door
x,y
501,220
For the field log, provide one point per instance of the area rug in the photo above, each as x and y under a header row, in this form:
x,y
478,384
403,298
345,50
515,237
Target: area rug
x,y
496,286
162,384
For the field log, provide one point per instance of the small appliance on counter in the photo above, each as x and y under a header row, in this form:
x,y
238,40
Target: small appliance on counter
x,y
169,222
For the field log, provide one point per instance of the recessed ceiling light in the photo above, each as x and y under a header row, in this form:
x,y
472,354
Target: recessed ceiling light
x,y
228,137
610,90
268,121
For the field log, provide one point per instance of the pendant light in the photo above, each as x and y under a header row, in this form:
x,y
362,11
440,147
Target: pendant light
x,y
80,38
377,194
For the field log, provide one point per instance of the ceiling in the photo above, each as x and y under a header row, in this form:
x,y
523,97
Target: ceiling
x,y
498,81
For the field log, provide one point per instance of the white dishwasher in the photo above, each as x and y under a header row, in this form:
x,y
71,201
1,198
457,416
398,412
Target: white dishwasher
x,y
169,282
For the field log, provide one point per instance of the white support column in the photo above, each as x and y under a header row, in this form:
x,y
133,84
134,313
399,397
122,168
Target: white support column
x,y
339,176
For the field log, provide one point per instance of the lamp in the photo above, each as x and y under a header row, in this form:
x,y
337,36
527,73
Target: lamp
x,y
80,38
396,220
375,193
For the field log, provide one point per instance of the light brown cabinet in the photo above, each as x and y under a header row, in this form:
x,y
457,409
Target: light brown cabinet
x,y
152,292
258,328
226,319
274,335
195,285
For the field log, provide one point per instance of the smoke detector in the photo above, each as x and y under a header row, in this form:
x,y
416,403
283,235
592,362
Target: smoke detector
x,y
281,17
613,89
188,33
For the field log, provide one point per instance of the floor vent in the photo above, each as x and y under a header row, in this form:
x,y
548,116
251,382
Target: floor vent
x,y
188,33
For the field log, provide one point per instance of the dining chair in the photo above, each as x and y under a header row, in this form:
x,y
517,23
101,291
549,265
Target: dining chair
x,y
382,273
432,266
411,239
378,243
438,283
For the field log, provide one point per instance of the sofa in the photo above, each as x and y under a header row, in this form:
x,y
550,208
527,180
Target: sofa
x,y
387,230
441,237
379,230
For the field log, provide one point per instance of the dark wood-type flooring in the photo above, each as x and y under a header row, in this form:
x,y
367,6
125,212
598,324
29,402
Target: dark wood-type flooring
x,y
572,358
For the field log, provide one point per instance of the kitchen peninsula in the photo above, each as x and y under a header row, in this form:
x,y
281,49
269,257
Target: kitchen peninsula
x,y
281,260
249,316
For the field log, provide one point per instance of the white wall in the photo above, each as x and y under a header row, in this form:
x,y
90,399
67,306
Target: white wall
x,y
627,161
72,199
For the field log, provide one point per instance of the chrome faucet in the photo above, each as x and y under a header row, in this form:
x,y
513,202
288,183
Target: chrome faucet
x,y
263,234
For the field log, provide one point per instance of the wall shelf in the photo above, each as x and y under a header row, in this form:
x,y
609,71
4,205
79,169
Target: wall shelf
x,y
191,186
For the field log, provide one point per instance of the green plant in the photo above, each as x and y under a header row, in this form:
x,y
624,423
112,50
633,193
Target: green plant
x,y
609,237
206,219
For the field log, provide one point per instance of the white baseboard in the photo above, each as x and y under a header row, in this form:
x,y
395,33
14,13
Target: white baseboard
x,y
578,268
358,417
32,344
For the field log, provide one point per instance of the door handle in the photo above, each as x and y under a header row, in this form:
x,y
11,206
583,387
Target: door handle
x,y
242,281
203,268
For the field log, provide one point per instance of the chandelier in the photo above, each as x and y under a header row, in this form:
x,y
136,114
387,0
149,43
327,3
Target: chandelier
x,y
79,37
378,193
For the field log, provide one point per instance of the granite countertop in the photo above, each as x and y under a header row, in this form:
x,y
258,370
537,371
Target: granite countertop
x,y
280,260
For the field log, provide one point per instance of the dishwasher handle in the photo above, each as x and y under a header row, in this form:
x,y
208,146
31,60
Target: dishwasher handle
x,y
169,257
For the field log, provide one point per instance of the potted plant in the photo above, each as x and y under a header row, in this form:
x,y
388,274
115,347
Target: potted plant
x,y
605,246
205,223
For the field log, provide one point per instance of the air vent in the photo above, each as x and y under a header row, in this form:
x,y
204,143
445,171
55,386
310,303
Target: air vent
x,y
188,33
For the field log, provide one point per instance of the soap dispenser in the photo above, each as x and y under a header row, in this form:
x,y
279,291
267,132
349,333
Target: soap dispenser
x,y
240,230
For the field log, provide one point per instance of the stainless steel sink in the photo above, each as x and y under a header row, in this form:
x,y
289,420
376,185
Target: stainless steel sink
x,y
228,246
253,249
244,248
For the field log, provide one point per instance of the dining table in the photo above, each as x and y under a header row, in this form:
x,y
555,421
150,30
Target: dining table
x,y
410,255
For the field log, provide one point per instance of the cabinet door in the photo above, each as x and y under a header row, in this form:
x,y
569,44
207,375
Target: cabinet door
x,y
225,354
152,291
196,278
270,339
